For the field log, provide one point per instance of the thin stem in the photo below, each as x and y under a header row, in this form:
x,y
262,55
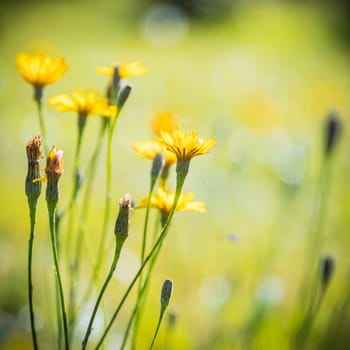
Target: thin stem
x,y
179,185
42,125
32,209
52,209
157,329
100,255
90,173
118,247
143,249
140,301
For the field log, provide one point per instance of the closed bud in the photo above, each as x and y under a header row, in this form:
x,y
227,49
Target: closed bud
x,y
54,170
166,293
327,270
122,224
123,96
157,165
332,132
33,149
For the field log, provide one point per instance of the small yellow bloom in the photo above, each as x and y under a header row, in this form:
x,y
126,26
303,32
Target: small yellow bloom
x,y
85,103
134,69
164,199
185,144
149,149
163,121
40,70
54,163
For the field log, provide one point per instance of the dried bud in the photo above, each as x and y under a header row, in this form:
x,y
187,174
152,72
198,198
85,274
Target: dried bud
x,y
33,189
122,223
157,165
123,96
53,170
327,270
166,293
332,132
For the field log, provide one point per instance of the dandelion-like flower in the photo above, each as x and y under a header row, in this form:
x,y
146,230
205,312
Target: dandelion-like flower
x,y
40,70
164,200
85,103
134,69
185,145
163,121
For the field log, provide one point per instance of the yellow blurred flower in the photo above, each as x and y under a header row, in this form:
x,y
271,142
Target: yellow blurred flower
x,y
85,103
134,69
258,113
149,149
185,144
40,70
164,199
163,121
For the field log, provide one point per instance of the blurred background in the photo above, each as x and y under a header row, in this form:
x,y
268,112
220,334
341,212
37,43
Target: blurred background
x,y
261,77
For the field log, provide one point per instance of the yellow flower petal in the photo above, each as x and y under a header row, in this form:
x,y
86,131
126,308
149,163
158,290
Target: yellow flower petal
x,y
40,70
185,144
164,199
149,149
84,102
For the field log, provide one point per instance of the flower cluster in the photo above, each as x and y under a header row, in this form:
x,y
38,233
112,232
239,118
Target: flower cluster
x,y
170,145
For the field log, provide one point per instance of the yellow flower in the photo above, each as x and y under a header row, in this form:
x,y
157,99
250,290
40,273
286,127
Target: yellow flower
x,y
85,103
164,199
185,144
149,149
134,69
40,70
163,121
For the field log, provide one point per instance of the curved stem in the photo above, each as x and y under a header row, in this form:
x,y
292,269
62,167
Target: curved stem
x,y
32,208
118,247
52,209
179,185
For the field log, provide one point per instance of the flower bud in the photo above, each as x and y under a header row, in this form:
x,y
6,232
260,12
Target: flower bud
x,y
166,293
157,165
123,96
33,189
327,270
122,223
332,132
53,170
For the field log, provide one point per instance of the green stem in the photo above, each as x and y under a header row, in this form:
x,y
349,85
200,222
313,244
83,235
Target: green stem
x,y
100,251
90,173
143,249
42,125
118,247
140,301
179,184
52,209
32,209
157,329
